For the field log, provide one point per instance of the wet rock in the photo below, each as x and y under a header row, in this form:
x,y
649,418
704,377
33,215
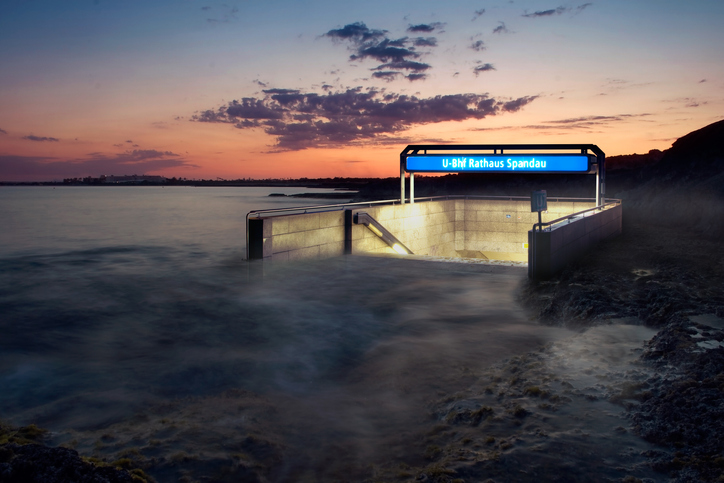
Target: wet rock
x,y
32,463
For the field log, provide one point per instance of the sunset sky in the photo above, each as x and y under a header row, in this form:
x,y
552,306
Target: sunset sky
x,y
283,88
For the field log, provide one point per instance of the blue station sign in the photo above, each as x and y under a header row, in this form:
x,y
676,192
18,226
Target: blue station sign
x,y
498,163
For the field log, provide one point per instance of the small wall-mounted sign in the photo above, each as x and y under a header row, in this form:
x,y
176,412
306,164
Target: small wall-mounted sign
x,y
538,201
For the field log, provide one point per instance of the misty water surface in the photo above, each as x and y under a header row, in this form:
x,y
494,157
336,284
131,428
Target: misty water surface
x,y
121,305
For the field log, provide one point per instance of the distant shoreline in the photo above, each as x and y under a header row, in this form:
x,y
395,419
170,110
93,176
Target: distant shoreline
x,y
340,184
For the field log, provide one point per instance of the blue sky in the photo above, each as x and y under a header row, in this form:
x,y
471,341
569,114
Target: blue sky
x,y
149,86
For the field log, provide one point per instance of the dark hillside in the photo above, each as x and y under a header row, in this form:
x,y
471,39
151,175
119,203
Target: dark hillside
x,y
685,188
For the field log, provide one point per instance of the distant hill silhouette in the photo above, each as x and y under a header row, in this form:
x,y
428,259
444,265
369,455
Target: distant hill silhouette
x,y
685,188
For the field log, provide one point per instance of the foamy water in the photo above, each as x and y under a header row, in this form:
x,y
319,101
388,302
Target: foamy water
x,y
131,326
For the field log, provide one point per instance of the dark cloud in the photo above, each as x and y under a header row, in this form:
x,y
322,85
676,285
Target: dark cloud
x,y
405,65
305,120
425,42
19,168
478,46
393,54
41,139
516,105
356,32
483,68
478,13
415,77
425,27
260,83
501,29
205,8
385,51
129,141
546,13
3,131
387,75
700,82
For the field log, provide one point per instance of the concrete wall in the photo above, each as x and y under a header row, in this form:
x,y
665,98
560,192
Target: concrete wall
x,y
502,225
303,236
552,250
425,228
442,228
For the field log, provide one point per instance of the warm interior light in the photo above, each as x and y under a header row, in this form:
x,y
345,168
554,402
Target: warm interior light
x,y
399,249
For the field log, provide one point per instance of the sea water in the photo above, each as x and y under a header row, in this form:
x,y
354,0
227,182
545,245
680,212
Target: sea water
x,y
130,324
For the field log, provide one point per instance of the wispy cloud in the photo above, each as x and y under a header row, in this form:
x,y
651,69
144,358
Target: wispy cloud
x,y
501,29
40,138
228,15
478,46
424,42
557,11
584,124
3,131
616,84
483,68
300,120
546,13
478,13
427,28
582,7
686,101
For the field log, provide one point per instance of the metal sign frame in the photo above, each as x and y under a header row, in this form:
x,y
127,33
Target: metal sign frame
x,y
596,163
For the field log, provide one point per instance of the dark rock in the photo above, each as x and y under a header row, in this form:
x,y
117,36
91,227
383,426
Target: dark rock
x,y
32,463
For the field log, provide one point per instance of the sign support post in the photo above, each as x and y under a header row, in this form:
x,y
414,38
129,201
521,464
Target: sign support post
x,y
412,188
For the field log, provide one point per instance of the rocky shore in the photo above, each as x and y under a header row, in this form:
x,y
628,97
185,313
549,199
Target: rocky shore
x,y
670,279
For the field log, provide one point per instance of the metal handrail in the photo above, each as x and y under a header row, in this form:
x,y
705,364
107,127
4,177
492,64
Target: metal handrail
x,y
395,201
573,215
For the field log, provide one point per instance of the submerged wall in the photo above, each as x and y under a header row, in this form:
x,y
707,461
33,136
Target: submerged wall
x,y
464,227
